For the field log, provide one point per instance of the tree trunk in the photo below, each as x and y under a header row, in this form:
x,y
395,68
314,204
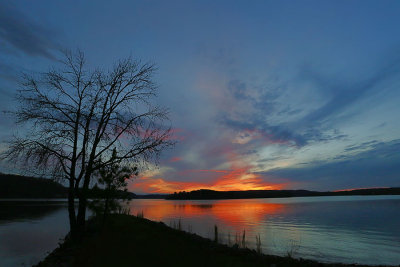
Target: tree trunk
x,y
71,209
83,205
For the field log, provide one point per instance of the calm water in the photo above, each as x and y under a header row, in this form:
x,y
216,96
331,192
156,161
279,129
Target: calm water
x,y
357,229
30,229
329,229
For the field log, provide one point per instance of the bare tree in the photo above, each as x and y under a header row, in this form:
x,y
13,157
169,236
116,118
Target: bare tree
x,y
77,118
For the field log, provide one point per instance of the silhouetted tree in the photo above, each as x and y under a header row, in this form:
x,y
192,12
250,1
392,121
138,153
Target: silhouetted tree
x,y
78,117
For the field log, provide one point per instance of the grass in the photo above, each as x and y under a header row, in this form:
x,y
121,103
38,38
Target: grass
x,y
133,241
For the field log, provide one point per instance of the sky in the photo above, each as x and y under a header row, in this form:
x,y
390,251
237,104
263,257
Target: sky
x,y
262,94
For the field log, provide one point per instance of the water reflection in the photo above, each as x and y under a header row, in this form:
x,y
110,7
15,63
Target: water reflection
x,y
333,229
29,230
233,213
27,210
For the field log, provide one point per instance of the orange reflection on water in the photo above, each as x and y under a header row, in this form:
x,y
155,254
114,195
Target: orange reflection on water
x,y
234,213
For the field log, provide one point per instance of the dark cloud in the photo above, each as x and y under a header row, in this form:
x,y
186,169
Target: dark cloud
x,y
316,125
345,93
362,146
24,34
263,104
283,132
378,166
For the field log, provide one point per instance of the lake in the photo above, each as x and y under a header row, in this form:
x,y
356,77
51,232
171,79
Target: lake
x,y
348,229
30,229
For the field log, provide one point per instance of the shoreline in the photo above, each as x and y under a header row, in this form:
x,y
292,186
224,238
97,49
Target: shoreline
x,y
127,240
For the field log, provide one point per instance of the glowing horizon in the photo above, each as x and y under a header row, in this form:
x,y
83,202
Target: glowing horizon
x,y
227,180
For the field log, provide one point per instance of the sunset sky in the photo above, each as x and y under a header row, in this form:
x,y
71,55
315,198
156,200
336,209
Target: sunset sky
x,y
262,94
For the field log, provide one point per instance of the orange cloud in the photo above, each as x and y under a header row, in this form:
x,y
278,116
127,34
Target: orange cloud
x,y
238,177
175,159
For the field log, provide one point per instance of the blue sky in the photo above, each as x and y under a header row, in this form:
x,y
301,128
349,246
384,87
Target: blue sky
x,y
262,94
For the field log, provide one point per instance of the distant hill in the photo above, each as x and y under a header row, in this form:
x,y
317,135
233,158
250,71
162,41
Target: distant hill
x,y
211,194
18,186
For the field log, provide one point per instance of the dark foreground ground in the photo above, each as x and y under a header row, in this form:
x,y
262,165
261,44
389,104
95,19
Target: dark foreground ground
x,y
130,241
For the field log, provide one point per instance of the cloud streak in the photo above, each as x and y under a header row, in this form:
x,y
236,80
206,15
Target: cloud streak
x,y
377,166
24,34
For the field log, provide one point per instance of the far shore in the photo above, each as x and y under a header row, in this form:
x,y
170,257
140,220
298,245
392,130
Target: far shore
x,y
24,187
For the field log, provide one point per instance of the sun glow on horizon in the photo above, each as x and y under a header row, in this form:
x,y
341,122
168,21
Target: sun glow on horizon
x,y
226,180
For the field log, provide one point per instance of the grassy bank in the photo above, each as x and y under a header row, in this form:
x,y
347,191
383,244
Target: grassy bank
x,y
130,241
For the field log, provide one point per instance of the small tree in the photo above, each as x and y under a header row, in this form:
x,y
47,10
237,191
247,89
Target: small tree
x,y
78,118
114,179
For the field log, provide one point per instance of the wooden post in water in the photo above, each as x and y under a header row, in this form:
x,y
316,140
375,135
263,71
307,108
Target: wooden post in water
x,y
216,233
